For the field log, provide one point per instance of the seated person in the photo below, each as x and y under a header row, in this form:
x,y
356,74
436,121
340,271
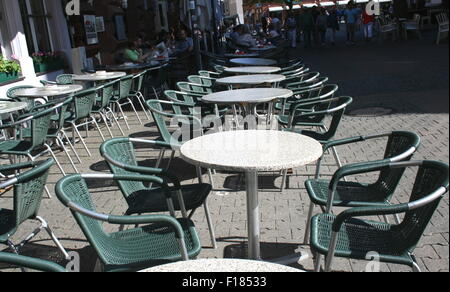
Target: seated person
x,y
134,53
245,39
183,43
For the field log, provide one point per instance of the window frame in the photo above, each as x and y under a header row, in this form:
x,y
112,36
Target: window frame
x,y
31,26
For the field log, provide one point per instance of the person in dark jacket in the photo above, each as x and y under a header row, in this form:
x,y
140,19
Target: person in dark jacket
x,y
307,26
333,24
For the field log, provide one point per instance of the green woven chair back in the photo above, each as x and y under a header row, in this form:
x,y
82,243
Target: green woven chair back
x,y
125,85
430,177
11,93
335,108
83,103
40,125
138,80
200,80
29,190
193,88
122,150
155,106
107,93
74,189
399,142
64,79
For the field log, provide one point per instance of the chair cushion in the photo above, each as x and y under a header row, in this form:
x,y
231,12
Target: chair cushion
x,y
359,237
147,201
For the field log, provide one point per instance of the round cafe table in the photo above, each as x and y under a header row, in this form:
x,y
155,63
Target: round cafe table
x,y
49,91
7,107
248,98
253,62
256,79
247,55
253,70
221,266
251,152
99,76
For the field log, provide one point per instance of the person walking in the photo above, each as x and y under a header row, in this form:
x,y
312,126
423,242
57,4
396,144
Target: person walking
x,y
307,25
333,24
368,21
321,25
291,26
351,15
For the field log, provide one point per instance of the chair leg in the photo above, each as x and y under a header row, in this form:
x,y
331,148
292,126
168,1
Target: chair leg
x,y
53,237
135,111
98,128
416,268
211,179
105,120
71,146
114,118
123,115
317,263
283,181
56,160
308,223
81,139
15,251
141,100
210,225
67,154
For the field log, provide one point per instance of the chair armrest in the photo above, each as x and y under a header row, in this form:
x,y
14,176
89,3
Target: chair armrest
x,y
31,263
368,211
351,140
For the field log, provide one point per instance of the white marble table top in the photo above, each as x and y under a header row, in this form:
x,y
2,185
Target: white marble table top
x,y
99,76
248,95
253,70
222,265
253,61
7,107
251,150
52,90
252,79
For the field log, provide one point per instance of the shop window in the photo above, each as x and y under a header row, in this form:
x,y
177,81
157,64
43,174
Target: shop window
x,y
35,20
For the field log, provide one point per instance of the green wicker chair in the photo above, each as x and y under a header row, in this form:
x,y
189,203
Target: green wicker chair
x,y
12,94
311,95
401,146
122,98
82,114
202,80
102,106
137,91
345,235
28,190
210,74
175,141
191,99
30,263
163,238
56,130
120,155
194,88
39,125
335,108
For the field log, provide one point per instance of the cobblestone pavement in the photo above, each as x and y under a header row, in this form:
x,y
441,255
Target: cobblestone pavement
x,y
417,99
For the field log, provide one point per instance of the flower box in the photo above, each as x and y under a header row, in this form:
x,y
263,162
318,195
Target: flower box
x,y
49,66
5,77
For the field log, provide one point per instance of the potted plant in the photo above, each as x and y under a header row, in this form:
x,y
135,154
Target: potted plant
x,y
48,61
9,69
